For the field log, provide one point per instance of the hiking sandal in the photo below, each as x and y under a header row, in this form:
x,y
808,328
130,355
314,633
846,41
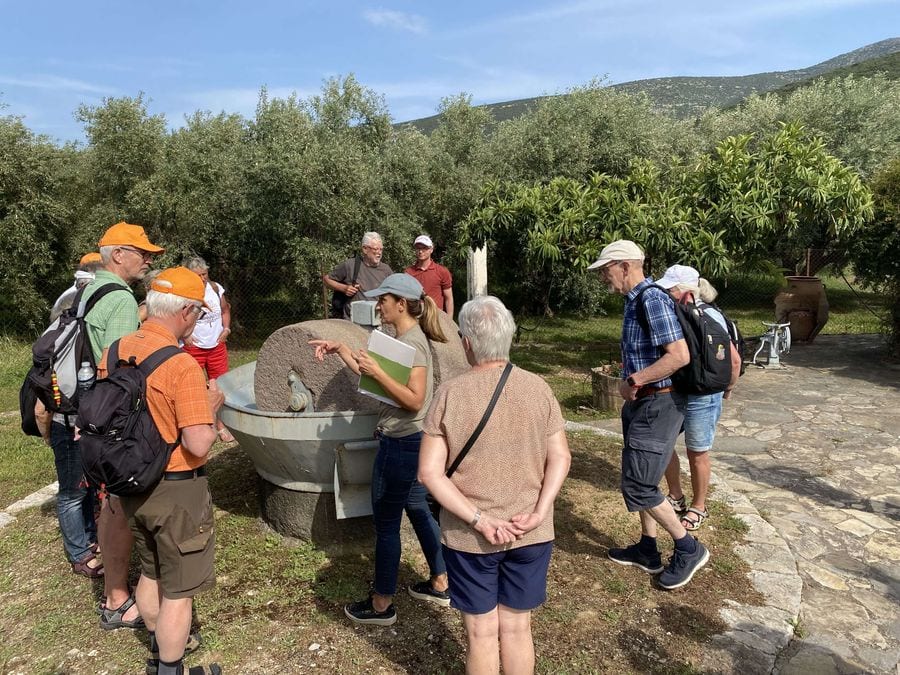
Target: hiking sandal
x,y
111,619
679,504
693,523
84,569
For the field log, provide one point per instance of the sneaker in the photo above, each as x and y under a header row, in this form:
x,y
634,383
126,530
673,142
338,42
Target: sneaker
x,y
682,567
364,612
634,557
425,591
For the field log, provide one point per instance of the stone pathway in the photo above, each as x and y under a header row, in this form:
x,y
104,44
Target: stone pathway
x,y
816,448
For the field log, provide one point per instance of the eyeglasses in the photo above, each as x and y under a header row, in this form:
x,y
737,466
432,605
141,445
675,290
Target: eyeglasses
x,y
374,249
145,255
201,313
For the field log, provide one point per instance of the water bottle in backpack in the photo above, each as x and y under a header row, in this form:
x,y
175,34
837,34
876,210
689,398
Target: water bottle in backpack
x,y
85,377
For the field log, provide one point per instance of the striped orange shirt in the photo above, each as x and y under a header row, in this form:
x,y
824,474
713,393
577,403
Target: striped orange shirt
x,y
176,391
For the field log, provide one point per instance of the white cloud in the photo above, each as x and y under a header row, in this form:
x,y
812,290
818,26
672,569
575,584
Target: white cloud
x,y
56,83
397,20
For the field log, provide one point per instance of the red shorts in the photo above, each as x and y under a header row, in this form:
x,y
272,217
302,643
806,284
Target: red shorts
x,y
214,361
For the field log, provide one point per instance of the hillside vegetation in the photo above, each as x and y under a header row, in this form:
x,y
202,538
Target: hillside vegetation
x,y
686,97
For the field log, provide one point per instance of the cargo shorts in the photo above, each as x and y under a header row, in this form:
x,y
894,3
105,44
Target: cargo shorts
x,y
650,426
174,535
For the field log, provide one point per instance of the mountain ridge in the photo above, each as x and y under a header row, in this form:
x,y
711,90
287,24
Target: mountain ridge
x,y
689,95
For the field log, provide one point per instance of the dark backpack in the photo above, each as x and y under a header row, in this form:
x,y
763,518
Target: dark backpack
x,y
121,447
737,338
56,357
340,300
709,370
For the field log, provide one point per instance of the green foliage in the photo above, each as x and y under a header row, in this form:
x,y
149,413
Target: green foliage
x,y
780,193
745,203
856,118
33,220
593,129
876,252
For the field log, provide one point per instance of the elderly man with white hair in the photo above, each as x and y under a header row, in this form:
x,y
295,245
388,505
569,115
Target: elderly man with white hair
x,y
652,415
497,517
702,412
350,280
173,523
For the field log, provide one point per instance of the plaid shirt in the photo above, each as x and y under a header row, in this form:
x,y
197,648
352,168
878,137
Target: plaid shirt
x,y
640,350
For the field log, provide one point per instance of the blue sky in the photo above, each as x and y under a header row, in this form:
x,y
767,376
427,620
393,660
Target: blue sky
x,y
189,55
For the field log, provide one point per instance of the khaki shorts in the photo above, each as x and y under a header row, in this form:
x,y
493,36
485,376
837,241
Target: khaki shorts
x,y
174,536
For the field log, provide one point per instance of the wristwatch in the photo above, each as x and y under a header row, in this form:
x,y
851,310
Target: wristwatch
x,y
630,381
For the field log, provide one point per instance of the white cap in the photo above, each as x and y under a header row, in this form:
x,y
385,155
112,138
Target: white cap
x,y
679,274
621,249
424,239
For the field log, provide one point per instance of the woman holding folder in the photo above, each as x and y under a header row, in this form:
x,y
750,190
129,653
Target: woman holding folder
x,y
403,304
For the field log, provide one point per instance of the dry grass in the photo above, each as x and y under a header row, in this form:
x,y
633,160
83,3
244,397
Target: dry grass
x,y
276,600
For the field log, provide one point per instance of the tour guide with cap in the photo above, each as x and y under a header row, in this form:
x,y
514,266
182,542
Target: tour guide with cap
x,y
652,415
414,316
173,522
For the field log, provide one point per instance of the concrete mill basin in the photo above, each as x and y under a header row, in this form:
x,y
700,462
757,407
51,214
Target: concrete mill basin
x,y
303,460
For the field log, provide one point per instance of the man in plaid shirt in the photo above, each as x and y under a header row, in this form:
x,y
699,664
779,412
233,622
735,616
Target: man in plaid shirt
x,y
653,413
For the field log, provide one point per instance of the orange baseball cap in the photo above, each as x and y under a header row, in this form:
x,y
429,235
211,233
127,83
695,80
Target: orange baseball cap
x,y
180,281
126,234
89,258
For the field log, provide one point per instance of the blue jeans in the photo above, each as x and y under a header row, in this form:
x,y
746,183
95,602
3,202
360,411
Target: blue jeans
x,y
395,489
75,502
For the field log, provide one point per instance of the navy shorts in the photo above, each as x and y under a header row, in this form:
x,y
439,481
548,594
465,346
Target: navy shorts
x,y
650,426
516,578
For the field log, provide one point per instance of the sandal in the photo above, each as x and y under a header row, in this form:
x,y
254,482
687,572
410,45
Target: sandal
x,y
679,504
691,524
194,642
111,619
83,567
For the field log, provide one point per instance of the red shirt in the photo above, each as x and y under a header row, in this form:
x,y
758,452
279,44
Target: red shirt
x,y
434,280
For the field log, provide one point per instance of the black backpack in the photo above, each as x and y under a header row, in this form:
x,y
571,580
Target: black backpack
x,y
340,300
121,447
56,357
709,370
737,338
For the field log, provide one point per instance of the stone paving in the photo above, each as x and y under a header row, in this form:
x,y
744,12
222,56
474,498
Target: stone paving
x,y
816,447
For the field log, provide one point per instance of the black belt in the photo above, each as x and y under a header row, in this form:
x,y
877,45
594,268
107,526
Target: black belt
x,y
185,475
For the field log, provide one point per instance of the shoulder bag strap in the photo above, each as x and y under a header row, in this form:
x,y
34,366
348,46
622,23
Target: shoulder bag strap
x,y
483,422
356,265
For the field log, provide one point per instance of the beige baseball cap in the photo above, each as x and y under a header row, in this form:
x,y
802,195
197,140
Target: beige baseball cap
x,y
621,249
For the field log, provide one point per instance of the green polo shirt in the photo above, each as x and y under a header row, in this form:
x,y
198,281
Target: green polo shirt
x,y
115,314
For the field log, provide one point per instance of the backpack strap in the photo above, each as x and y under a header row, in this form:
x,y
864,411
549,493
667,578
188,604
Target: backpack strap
x,y
484,420
157,358
83,307
112,357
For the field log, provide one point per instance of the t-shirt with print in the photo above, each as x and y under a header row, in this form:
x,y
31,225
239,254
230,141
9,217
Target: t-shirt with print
x,y
209,327
176,390
503,472
369,278
397,422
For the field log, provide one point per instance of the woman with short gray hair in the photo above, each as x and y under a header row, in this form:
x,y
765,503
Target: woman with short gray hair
x,y
497,518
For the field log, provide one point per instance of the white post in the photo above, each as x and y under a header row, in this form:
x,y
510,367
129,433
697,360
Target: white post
x,y
476,272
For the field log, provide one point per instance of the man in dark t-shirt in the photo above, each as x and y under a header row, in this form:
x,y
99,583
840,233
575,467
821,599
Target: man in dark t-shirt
x,y
372,272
